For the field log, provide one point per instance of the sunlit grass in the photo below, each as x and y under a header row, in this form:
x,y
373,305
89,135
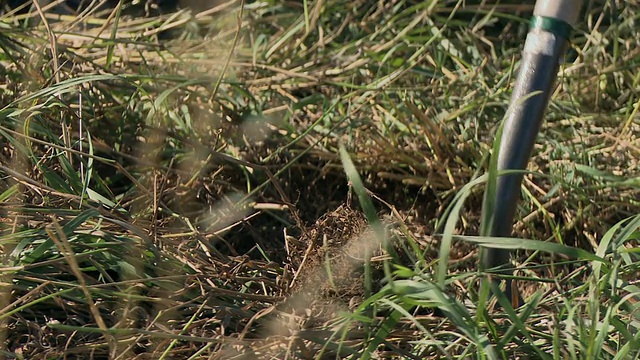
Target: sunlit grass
x,y
305,180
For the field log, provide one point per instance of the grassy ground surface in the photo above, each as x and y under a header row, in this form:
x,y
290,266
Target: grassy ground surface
x,y
282,180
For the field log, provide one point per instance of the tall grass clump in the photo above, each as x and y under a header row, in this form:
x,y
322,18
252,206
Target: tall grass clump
x,y
304,180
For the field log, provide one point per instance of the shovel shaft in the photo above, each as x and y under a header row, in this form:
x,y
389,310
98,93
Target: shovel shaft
x,y
545,45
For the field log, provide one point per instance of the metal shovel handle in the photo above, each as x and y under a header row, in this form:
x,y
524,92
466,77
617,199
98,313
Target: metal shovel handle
x,y
550,28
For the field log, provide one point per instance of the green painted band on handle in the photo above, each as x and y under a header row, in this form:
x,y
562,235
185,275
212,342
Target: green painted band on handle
x,y
556,26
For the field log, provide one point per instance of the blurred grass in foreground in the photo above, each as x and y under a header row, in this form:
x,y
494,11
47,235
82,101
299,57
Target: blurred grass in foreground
x,y
173,186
